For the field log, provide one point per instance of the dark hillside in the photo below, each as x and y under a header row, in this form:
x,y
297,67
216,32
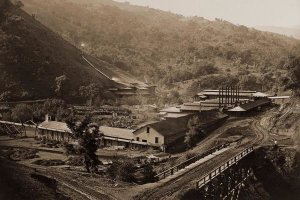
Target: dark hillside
x,y
32,57
165,48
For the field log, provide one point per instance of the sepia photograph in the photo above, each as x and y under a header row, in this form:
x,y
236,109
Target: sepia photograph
x,y
149,99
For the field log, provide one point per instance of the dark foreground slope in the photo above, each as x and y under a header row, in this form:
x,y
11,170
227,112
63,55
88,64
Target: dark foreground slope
x,y
20,183
32,57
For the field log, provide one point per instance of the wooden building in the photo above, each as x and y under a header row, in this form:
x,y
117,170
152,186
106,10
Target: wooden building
x,y
59,131
55,131
163,133
169,133
249,107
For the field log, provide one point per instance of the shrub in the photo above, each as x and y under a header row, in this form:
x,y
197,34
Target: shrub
x,y
53,162
69,149
149,174
190,155
126,171
75,161
113,170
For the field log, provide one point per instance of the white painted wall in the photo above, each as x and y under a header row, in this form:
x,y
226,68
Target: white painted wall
x,y
150,137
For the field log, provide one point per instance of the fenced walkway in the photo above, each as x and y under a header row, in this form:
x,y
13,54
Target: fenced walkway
x,y
226,165
194,161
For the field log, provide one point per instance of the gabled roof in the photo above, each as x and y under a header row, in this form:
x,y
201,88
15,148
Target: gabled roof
x,y
237,109
173,109
117,132
250,105
175,128
190,108
175,115
121,133
55,126
171,128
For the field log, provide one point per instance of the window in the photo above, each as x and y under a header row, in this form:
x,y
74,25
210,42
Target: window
x,y
156,140
148,129
144,140
137,139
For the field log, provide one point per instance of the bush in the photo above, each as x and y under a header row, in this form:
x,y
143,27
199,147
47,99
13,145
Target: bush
x,y
190,155
149,174
21,154
126,171
75,161
113,170
69,149
53,162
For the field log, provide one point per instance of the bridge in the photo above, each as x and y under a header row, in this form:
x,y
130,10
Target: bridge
x,y
221,177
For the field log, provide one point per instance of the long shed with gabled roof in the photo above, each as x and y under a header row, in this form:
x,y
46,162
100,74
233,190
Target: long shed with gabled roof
x,y
166,133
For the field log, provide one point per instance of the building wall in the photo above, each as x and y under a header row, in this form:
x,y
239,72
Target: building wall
x,y
65,137
55,135
149,137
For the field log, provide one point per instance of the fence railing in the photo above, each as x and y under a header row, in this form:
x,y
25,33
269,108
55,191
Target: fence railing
x,y
17,124
186,163
224,166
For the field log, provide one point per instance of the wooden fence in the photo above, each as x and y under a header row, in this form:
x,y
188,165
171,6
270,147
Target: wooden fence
x,y
186,163
224,166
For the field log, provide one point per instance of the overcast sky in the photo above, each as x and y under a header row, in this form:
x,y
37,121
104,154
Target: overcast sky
x,y
285,13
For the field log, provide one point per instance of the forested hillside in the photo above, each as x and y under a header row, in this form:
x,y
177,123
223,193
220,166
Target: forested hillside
x,y
37,63
164,48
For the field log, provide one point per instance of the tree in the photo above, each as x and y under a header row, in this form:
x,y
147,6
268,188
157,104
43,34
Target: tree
x,y
59,84
87,134
113,169
19,4
90,92
149,174
294,74
57,108
22,113
195,132
191,138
